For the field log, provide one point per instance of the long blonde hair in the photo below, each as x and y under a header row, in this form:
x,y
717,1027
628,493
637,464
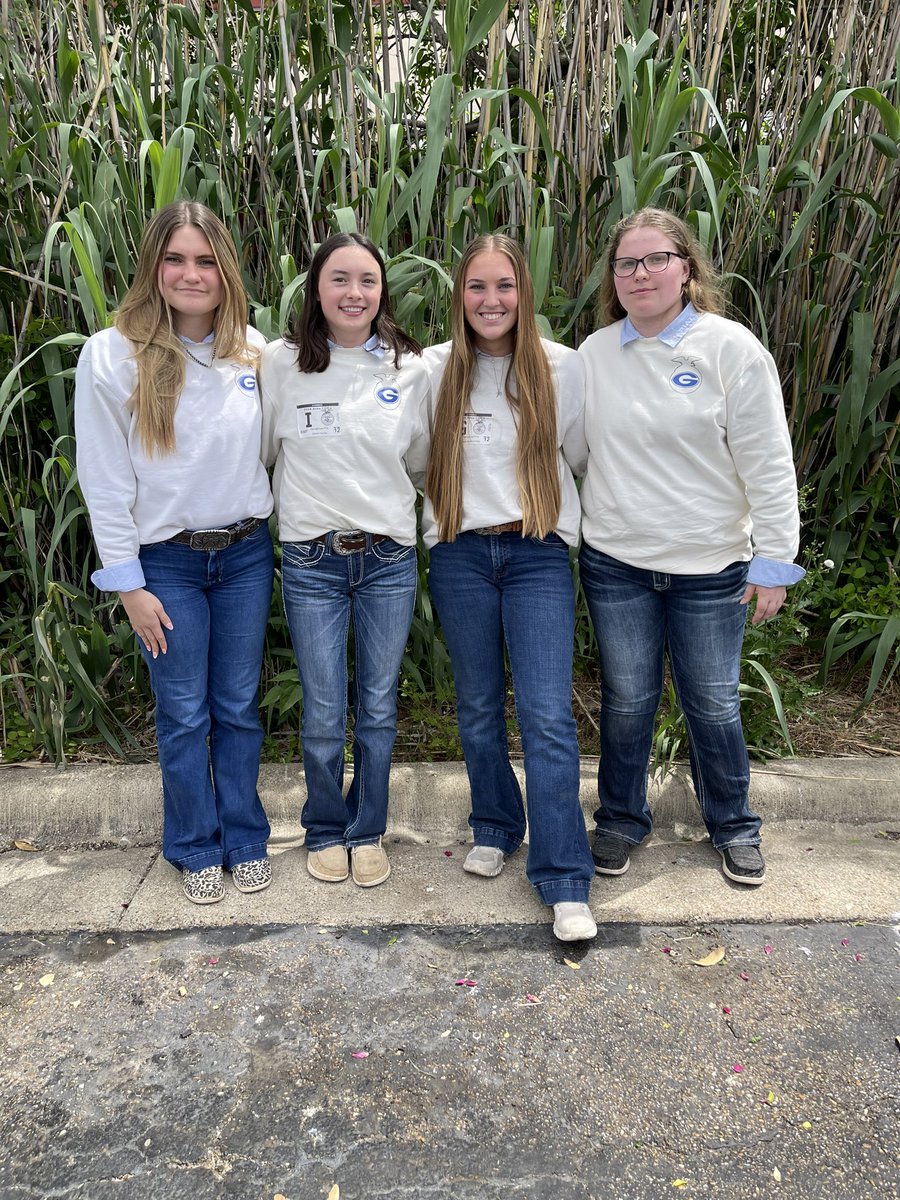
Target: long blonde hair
x,y
145,319
702,287
531,393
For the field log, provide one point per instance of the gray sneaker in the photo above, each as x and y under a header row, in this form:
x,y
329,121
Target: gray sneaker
x,y
484,860
610,854
743,864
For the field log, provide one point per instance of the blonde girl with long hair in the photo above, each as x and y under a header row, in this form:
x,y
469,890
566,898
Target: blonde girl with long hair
x,y
168,426
501,512
689,517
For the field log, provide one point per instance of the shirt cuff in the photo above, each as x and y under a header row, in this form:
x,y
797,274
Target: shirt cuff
x,y
769,572
122,577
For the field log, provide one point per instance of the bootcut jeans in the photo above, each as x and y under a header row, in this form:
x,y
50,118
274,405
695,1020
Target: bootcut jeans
x,y
497,590
206,688
637,615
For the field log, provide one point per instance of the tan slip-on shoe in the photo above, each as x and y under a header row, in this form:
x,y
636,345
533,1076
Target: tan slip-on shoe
x,y
329,864
369,865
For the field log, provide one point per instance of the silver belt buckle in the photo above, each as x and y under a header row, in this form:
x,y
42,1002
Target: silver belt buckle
x,y
210,539
341,537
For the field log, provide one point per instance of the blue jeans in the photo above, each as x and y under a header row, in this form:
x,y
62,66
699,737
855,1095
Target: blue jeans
x,y
206,688
324,592
636,614
502,589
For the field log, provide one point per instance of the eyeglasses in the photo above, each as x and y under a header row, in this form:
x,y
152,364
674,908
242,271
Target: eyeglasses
x,y
654,263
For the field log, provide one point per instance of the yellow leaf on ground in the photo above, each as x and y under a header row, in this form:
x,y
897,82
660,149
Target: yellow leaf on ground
x,y
23,845
679,1183
335,1193
712,959
776,1175
182,991
46,980
574,965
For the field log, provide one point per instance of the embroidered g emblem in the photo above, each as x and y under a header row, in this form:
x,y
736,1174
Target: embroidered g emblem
x,y
685,378
387,395
246,381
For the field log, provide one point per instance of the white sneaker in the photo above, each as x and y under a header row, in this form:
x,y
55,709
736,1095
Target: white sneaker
x,y
573,922
484,860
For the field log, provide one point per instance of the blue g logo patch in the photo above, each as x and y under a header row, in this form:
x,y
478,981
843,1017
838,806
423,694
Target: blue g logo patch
x,y
246,381
685,378
388,396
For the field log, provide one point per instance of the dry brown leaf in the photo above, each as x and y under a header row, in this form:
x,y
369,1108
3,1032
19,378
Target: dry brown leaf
x,y
23,845
712,959
574,965
46,980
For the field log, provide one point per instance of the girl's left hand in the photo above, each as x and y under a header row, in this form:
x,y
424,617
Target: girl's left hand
x,y
768,600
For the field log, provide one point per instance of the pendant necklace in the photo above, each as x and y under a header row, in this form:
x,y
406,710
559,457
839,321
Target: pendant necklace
x,y
499,376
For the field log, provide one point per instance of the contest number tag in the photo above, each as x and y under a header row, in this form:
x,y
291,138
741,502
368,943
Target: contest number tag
x,y
318,420
477,428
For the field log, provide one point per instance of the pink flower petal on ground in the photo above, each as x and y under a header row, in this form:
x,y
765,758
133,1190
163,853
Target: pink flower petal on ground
x,y
448,854
213,962
666,949
744,976
767,948
737,1068
466,983
727,1012
360,1054
845,941
857,957
531,999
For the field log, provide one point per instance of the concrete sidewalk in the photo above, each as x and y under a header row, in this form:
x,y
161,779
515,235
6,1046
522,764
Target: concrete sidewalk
x,y
830,843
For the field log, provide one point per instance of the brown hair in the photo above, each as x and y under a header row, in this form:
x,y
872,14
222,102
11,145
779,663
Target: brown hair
x,y
531,393
702,287
145,319
309,333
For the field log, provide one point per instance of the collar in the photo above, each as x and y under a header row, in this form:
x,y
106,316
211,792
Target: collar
x,y
210,337
373,345
673,332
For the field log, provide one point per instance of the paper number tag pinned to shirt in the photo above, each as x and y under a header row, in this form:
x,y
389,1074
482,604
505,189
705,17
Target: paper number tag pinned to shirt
x,y
318,420
477,428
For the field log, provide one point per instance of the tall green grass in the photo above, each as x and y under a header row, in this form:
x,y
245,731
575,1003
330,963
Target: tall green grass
x,y
774,127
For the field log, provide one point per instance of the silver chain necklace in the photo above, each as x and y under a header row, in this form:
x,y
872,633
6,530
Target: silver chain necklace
x,y
199,361
499,377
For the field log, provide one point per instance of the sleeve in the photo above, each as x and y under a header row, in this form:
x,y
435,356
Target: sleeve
x,y
572,379
271,443
105,470
416,457
760,447
766,572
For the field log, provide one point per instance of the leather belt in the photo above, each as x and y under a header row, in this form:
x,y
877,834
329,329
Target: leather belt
x,y
216,539
350,541
509,527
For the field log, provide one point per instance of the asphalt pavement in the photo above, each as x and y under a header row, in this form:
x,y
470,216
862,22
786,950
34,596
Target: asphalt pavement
x,y
430,1038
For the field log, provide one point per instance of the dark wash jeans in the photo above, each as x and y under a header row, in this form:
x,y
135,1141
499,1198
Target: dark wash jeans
x,y
502,589
206,688
637,614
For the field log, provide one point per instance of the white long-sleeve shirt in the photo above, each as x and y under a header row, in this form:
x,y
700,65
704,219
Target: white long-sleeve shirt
x,y
213,478
690,465
349,444
490,487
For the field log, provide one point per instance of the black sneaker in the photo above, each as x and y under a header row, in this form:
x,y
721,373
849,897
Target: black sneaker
x,y
610,854
743,864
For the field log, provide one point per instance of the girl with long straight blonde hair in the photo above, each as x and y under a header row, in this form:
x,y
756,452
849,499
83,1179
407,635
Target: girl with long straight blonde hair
x,y
168,426
501,512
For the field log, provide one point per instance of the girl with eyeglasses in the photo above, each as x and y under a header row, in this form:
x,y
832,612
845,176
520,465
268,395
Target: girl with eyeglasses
x,y
501,511
168,426
690,517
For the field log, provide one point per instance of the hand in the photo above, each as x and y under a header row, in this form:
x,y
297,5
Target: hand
x,y
148,618
768,600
